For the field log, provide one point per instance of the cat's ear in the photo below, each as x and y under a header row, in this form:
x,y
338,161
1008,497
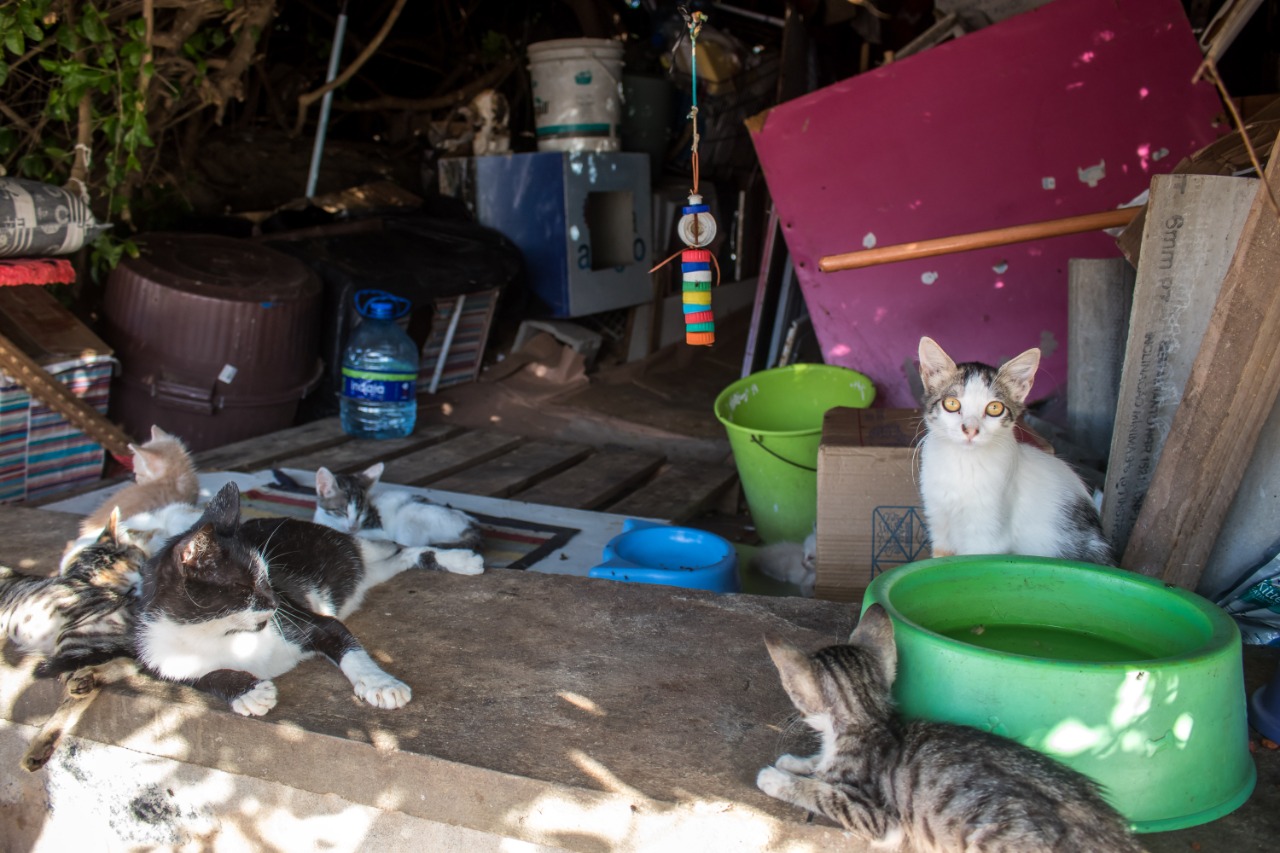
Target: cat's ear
x,y
371,475
110,533
875,633
158,434
200,541
935,365
798,678
326,484
223,512
147,466
1020,373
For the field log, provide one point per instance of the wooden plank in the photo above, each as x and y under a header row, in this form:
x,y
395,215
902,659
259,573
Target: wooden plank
x,y
1192,230
1099,301
266,451
518,469
448,457
679,492
359,453
603,478
1233,386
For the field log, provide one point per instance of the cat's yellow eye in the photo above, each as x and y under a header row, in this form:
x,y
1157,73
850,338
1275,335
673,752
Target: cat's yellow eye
x,y
951,404
995,408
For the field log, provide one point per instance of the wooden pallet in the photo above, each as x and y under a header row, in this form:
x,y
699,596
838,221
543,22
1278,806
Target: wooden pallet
x,y
495,464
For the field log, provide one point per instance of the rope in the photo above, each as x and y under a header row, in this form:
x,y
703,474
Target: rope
x,y
694,21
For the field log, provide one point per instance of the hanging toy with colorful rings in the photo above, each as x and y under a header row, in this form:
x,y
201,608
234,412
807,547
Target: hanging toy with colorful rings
x,y
697,228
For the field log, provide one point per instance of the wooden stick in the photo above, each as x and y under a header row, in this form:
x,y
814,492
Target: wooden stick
x,y
48,390
979,240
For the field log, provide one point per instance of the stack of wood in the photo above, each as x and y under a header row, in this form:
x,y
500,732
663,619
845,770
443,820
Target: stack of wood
x,y
1195,416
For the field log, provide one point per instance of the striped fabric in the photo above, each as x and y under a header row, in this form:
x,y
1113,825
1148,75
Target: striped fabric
x,y
40,452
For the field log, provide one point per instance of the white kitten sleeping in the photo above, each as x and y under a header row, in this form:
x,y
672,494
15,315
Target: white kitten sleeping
x,y
347,503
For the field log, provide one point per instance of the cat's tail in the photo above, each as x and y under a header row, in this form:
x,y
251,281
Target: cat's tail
x,y
459,561
472,539
82,688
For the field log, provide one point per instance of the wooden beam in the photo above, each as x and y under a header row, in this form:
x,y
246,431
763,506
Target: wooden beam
x,y
1192,229
1234,382
449,457
359,453
267,451
605,477
1099,301
678,493
505,475
978,240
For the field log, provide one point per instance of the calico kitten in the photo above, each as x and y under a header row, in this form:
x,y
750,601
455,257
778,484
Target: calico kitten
x,y
346,502
922,786
82,616
984,491
164,473
227,606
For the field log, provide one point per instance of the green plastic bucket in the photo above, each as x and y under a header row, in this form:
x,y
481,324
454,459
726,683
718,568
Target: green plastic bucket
x,y
774,421
1137,684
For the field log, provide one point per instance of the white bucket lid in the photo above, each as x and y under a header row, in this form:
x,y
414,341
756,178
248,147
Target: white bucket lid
x,y
575,49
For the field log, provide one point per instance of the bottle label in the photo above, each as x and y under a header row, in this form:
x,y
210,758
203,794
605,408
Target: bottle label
x,y
380,387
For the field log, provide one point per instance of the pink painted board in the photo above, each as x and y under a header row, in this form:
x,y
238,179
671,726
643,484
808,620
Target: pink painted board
x,y
1065,110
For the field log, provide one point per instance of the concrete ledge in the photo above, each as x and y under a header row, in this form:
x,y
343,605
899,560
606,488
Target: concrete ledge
x,y
554,711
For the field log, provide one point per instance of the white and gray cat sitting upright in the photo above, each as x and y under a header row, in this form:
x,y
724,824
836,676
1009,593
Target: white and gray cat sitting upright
x,y
984,491
229,605
348,502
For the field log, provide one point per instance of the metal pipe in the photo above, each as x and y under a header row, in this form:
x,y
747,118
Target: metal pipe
x,y
335,54
448,342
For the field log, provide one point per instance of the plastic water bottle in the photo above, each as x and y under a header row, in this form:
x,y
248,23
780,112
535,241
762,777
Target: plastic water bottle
x,y
379,371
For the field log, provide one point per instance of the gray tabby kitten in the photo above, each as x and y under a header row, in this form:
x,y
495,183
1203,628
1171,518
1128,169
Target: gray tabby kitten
x,y
922,786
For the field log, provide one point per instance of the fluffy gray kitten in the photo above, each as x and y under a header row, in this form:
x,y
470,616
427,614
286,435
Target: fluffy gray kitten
x,y
922,786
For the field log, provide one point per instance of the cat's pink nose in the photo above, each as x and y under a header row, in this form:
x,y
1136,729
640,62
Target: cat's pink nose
x,y
969,431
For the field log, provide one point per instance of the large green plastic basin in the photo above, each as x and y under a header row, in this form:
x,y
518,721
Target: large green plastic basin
x,y
1132,682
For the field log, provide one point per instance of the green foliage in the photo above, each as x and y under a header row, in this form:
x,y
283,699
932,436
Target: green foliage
x,y
59,55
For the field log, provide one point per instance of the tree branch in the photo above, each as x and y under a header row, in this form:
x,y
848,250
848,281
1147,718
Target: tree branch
x,y
307,99
230,81
490,78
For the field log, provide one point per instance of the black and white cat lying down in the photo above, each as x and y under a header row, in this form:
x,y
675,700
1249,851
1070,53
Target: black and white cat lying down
x,y
229,605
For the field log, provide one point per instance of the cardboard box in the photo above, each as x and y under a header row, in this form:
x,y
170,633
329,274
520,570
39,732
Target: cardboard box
x,y
40,452
870,517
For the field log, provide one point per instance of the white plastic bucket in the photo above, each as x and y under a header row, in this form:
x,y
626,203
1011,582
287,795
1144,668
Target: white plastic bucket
x,y
577,94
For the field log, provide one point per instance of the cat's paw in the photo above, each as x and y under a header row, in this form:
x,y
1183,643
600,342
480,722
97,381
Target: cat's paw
x,y
383,691
796,764
256,701
460,562
773,782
